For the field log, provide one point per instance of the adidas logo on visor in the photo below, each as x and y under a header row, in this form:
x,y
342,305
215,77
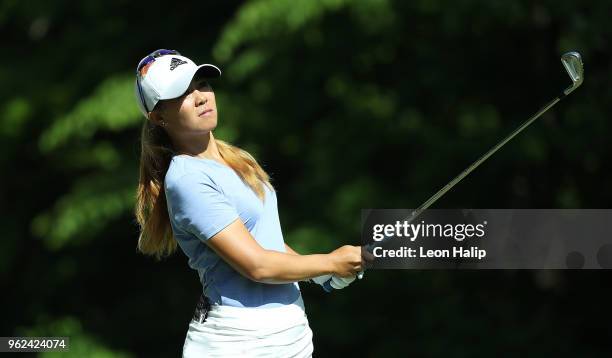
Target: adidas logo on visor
x,y
175,62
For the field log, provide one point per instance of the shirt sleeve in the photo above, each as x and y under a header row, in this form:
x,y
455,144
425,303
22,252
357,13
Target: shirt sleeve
x,y
197,206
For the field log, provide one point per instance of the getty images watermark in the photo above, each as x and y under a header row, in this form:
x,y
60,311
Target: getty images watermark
x,y
406,230
488,239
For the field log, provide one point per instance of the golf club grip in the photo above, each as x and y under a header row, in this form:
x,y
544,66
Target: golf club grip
x,y
327,286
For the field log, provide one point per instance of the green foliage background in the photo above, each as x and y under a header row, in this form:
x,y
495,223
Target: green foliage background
x,y
348,105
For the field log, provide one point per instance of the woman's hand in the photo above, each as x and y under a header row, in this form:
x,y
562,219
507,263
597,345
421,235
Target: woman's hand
x,y
335,281
346,260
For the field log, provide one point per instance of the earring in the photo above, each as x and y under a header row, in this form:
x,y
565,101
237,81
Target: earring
x,y
163,124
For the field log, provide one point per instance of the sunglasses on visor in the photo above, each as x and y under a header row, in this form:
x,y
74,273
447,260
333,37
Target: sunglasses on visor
x,y
152,56
145,61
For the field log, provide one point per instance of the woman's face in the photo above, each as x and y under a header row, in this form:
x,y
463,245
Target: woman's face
x,y
192,114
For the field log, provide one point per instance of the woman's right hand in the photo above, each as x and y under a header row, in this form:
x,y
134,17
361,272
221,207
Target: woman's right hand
x,y
346,260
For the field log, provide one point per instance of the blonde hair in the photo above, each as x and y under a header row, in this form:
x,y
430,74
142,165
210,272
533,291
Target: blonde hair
x,y
156,238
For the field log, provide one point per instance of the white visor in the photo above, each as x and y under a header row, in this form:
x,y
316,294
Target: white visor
x,y
168,77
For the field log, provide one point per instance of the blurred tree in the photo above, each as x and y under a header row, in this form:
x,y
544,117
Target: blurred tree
x,y
348,105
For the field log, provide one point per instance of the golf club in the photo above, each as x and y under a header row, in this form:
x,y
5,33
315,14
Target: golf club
x,y
572,61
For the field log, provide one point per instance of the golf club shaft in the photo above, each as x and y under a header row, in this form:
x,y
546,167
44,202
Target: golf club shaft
x,y
475,165
327,285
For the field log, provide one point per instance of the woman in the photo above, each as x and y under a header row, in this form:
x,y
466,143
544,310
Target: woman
x,y
217,203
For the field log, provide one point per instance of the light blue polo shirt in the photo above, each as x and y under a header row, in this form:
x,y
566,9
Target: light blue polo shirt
x,y
204,196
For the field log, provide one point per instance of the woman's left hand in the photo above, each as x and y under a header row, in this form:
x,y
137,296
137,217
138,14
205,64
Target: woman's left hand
x,y
336,282
339,283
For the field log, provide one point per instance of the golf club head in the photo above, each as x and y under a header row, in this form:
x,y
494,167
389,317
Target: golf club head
x,y
573,64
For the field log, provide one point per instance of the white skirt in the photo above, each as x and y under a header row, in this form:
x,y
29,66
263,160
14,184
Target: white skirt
x,y
251,332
